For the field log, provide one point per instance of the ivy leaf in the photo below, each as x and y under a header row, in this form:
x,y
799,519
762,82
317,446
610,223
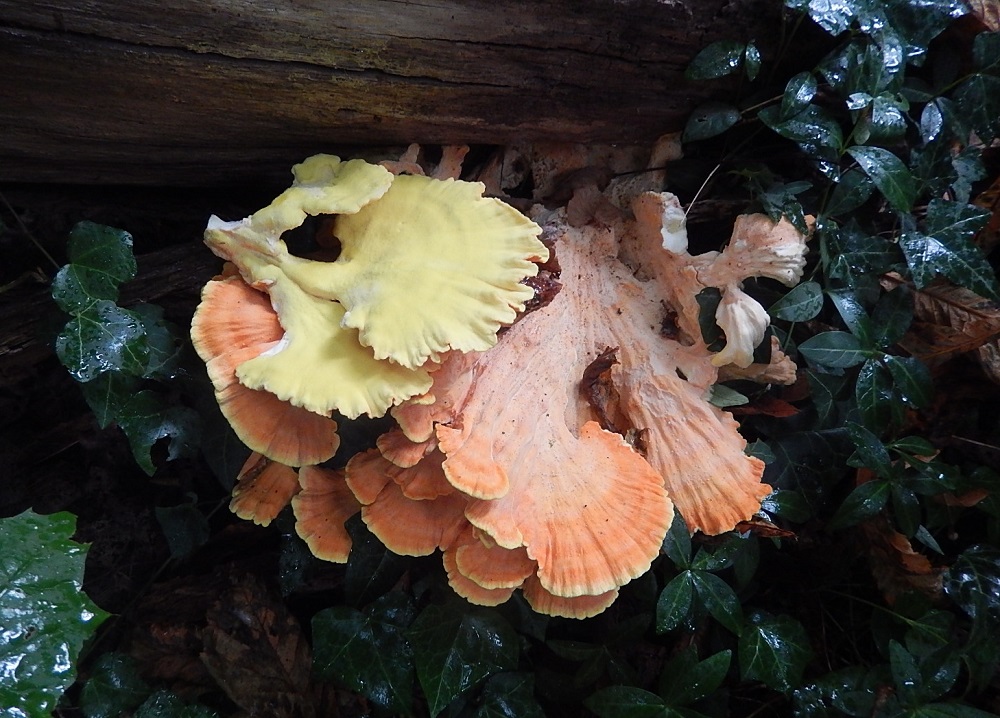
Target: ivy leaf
x,y
685,679
509,695
774,650
719,59
147,418
709,120
787,504
862,503
100,260
454,649
165,704
889,174
719,598
837,350
978,99
104,337
675,602
801,304
892,316
627,702
945,248
852,311
114,686
368,652
372,569
108,393
46,615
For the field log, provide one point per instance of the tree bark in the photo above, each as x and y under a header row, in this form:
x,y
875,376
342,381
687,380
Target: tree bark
x,y
196,92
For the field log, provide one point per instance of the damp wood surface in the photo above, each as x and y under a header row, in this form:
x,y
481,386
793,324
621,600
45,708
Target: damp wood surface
x,y
194,93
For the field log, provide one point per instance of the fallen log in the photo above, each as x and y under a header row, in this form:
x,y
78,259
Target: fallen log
x,y
192,93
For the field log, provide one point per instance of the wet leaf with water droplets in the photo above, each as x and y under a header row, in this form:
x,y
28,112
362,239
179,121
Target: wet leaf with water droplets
x,y
368,652
45,615
455,646
774,650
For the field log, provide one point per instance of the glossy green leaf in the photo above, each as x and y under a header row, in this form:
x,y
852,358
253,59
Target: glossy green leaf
x,y
719,598
454,649
677,543
906,510
835,18
46,616
709,120
368,652
986,52
372,569
164,349
720,555
185,528
889,174
774,650
627,702
708,303
837,350
862,503
751,61
147,418
787,504
885,120
685,679
978,99
852,190
813,127
911,380
114,686
973,581
723,396
892,316
509,695
718,59
801,304
100,260
852,311
948,710
108,393
956,258
914,446
875,397
165,704
905,672
104,337
869,452
931,122
825,390
799,92
674,603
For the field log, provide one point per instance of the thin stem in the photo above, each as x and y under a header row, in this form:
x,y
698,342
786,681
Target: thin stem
x,y
27,232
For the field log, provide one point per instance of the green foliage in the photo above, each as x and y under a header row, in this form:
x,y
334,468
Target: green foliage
x,y
46,616
113,351
116,689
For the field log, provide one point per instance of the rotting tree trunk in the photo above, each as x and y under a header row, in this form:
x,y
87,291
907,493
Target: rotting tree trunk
x,y
198,92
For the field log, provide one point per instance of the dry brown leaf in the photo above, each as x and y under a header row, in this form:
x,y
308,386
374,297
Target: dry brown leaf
x,y
256,651
896,567
951,321
987,12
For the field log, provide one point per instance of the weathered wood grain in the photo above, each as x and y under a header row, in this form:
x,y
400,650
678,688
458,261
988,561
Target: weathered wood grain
x,y
189,92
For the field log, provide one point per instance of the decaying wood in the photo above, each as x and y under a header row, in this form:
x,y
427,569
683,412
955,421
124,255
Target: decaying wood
x,y
189,92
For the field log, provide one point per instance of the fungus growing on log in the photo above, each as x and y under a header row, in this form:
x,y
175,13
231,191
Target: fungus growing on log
x,y
548,461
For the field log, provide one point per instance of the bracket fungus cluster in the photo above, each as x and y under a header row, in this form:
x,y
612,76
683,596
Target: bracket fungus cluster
x,y
547,422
